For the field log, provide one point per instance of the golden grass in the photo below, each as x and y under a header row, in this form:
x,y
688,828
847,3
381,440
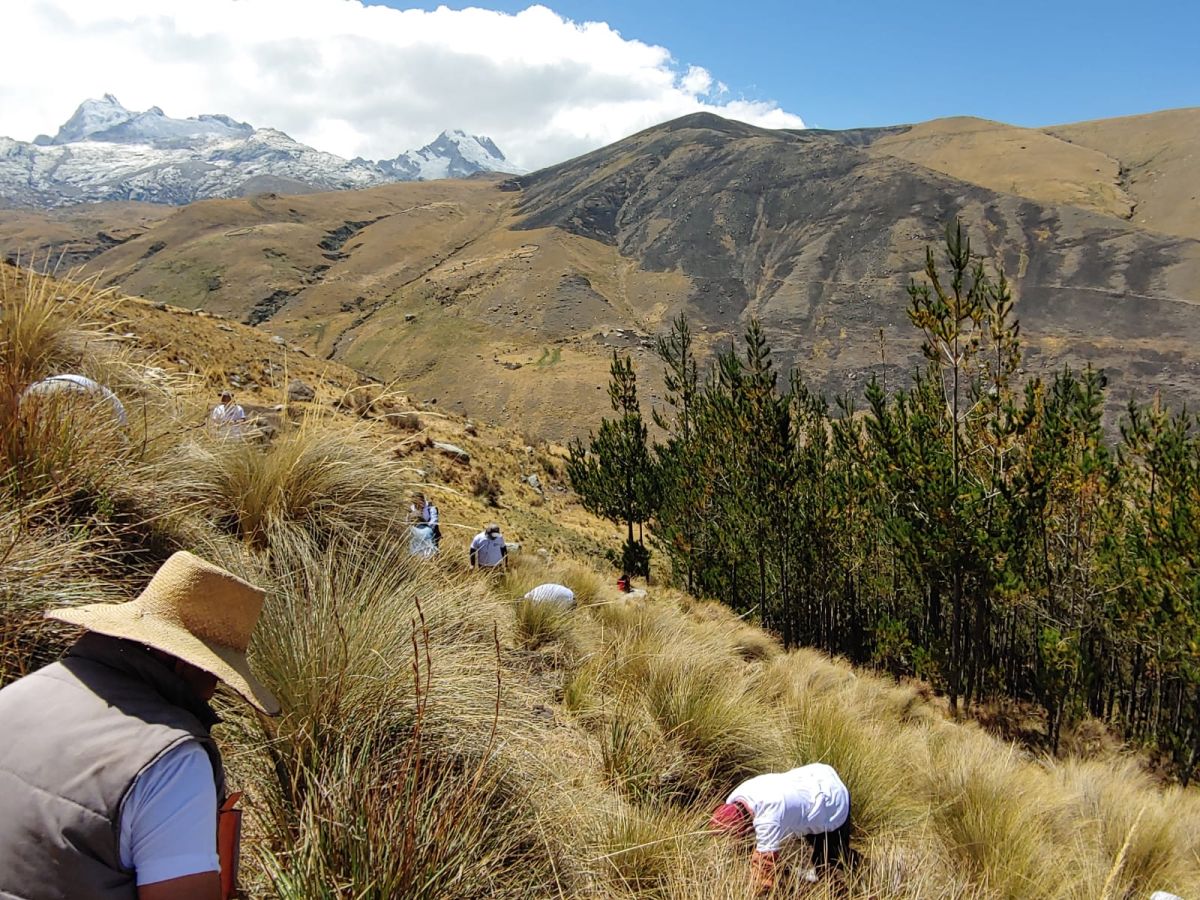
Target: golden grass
x,y
320,479
440,738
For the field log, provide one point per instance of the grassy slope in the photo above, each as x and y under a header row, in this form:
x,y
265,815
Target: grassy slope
x,y
615,728
1158,158
1012,160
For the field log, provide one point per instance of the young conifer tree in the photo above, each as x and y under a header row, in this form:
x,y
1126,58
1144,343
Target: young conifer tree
x,y
614,473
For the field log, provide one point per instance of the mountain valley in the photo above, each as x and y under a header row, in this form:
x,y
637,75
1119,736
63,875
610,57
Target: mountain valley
x,y
503,298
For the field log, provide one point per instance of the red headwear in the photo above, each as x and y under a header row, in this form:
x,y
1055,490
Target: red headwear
x,y
732,818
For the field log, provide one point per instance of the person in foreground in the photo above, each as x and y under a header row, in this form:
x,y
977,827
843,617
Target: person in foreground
x,y
110,783
810,802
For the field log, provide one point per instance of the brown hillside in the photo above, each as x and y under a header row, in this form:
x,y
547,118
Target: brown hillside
x,y
1011,160
504,300
1159,155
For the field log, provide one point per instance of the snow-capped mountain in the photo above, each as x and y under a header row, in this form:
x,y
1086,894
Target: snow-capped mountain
x,y
107,152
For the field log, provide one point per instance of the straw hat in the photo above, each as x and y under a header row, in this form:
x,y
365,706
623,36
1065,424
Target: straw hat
x,y
193,610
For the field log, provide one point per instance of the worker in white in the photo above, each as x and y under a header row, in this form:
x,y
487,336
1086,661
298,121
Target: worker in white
x,y
558,594
488,549
422,512
227,417
810,802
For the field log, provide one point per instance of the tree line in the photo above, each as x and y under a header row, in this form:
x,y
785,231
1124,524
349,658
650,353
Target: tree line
x,y
975,527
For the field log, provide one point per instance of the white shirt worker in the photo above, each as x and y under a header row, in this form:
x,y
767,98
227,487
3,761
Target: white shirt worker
x,y
558,594
488,549
227,417
809,800
81,386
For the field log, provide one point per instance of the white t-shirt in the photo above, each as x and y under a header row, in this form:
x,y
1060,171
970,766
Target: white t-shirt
x,y
229,418
552,593
169,818
807,800
489,551
428,513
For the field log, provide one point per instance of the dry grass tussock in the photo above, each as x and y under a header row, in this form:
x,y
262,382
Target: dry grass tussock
x,y
323,479
391,773
442,739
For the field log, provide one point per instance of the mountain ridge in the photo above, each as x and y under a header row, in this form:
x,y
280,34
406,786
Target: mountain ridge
x,y
816,234
105,152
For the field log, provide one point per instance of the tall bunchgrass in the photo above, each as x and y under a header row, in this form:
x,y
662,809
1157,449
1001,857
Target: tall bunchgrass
x,y
385,776
42,568
322,479
537,623
50,327
68,442
1139,840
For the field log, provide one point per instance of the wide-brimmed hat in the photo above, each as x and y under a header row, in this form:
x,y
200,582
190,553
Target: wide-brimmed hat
x,y
193,610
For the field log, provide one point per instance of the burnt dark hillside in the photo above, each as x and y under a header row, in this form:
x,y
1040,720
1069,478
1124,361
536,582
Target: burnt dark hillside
x,y
817,237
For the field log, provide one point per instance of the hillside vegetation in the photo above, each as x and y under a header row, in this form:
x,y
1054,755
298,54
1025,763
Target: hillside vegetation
x,y
813,233
442,738
978,528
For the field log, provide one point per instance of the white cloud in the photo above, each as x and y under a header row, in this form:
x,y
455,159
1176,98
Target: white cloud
x,y
356,80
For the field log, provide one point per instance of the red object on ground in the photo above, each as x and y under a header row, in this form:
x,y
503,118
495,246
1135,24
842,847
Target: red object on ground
x,y
623,584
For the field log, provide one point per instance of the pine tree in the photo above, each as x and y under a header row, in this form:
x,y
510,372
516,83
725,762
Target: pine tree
x,y
614,474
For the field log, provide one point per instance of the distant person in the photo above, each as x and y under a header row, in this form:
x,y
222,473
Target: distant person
x,y
112,783
810,802
557,594
424,512
66,387
228,418
420,541
488,549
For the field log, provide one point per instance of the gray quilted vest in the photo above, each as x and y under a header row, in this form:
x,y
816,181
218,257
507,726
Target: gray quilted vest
x,y
73,738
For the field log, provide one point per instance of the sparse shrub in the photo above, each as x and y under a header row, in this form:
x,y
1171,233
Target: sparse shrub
x,y
487,488
552,466
371,401
405,421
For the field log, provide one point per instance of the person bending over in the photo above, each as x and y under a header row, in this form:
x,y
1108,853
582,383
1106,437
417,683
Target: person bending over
x,y
810,802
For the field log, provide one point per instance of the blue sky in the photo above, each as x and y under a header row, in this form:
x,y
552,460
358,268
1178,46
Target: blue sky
x,y
844,64
377,79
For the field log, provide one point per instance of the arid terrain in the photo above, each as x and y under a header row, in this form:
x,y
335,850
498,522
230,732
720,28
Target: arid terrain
x,y
503,299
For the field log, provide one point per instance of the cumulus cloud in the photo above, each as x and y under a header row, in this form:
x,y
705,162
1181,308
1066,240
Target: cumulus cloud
x,y
357,80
